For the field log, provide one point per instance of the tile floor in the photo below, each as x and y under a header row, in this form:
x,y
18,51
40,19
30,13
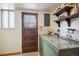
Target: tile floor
x,y
28,54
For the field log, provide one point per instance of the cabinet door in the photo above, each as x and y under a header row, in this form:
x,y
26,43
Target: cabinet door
x,y
49,50
41,45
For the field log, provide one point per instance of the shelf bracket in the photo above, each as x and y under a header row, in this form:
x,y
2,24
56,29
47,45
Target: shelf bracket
x,y
68,22
58,24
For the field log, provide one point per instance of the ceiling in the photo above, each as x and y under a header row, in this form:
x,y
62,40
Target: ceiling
x,y
29,6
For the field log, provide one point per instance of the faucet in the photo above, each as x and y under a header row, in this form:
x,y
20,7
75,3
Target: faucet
x,y
69,35
70,31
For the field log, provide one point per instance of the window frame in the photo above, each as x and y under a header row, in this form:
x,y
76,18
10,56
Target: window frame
x,y
46,20
8,10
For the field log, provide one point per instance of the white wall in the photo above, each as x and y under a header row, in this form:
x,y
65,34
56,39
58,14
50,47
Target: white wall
x,y
63,28
74,25
11,40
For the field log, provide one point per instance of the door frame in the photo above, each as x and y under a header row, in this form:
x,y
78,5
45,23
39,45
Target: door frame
x,y
30,13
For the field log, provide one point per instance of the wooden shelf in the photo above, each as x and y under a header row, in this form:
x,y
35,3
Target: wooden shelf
x,y
72,16
60,19
68,18
56,20
65,9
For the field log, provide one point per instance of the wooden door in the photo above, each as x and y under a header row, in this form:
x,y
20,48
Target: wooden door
x,y
29,32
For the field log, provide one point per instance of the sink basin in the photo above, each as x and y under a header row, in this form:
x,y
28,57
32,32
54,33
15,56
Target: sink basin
x,y
68,43
62,46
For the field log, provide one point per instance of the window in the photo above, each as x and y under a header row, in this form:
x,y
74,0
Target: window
x,y
7,19
46,19
30,21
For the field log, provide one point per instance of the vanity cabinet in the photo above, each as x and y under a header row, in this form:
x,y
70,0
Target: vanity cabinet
x,y
41,46
69,52
49,47
46,48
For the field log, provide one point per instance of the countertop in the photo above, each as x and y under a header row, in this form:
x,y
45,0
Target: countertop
x,y
61,42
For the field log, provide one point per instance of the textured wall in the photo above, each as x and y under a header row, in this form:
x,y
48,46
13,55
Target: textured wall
x,y
11,40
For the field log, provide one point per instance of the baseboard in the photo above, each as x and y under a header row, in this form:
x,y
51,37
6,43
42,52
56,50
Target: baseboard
x,y
9,54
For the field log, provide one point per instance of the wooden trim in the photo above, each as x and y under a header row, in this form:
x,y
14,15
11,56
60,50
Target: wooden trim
x,y
8,54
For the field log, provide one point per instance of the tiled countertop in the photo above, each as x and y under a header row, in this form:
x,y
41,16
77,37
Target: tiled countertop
x,y
61,42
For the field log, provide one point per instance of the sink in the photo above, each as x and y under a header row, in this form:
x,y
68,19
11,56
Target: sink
x,y
62,46
68,43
